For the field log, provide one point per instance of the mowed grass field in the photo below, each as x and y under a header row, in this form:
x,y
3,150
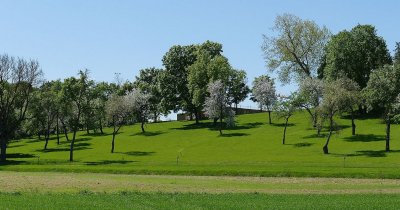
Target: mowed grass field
x,y
61,190
252,148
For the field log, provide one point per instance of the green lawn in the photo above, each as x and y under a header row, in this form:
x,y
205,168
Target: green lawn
x,y
127,200
253,148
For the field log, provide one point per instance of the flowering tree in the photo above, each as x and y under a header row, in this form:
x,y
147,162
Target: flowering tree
x,y
139,103
117,111
216,105
264,93
310,96
285,108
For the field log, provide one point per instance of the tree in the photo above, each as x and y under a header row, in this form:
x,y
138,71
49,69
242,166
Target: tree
x,y
139,104
382,91
174,80
285,108
205,70
264,93
18,77
354,54
237,87
216,106
297,49
117,112
310,96
44,109
337,95
148,81
74,92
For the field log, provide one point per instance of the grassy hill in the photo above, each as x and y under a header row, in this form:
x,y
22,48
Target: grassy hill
x,y
252,148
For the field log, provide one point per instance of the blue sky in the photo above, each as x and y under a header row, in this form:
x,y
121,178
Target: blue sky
x,y
125,36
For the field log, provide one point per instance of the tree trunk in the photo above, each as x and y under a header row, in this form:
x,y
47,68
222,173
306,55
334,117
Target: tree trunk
x,y
325,148
155,117
284,131
46,141
101,126
196,115
220,125
142,126
58,131
236,108
3,150
113,140
353,125
388,134
215,122
71,149
190,116
269,117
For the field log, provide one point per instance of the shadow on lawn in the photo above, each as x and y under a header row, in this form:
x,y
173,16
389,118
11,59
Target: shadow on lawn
x,y
233,134
77,146
108,162
98,134
303,144
369,153
315,136
282,124
19,155
365,138
137,153
148,133
212,126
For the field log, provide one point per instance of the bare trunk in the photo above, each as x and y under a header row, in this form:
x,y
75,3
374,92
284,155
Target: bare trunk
x,y
142,126
325,148
284,131
353,125
3,150
101,126
387,134
236,108
197,116
220,125
58,131
71,149
269,117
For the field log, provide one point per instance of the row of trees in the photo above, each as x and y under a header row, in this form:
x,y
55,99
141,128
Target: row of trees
x,y
196,79
335,73
346,72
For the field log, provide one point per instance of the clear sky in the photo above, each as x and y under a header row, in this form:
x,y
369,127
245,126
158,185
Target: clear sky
x,y
126,36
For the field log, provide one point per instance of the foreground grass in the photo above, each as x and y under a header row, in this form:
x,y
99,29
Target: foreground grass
x,y
132,200
51,182
253,148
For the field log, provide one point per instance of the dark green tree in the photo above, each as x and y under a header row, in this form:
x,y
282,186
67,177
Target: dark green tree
x,y
355,53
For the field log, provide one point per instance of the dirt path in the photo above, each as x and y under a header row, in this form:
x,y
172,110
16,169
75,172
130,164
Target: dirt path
x,y
42,182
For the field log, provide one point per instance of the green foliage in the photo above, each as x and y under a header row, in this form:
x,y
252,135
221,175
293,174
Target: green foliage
x,y
354,54
297,49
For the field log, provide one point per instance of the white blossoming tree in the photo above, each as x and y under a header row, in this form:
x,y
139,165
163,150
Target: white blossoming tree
x,y
264,93
139,104
117,111
216,105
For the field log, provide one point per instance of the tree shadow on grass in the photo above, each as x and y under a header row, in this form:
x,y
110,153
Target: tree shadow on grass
x,y
14,146
137,153
77,146
11,162
19,155
365,138
98,134
316,136
148,133
246,126
192,126
233,134
108,162
303,144
212,126
368,153
282,124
